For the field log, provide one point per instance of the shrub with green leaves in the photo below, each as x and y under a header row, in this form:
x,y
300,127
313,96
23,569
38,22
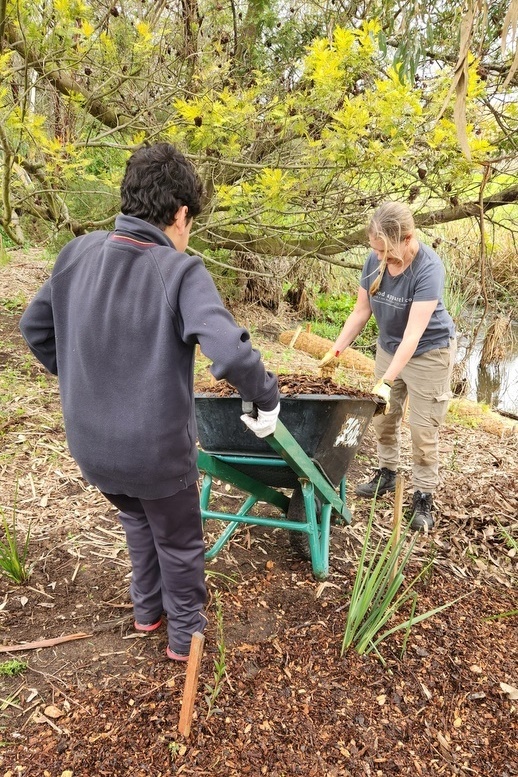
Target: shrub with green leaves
x,y
220,661
334,310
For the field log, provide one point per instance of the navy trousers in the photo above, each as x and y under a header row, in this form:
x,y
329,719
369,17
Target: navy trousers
x,y
166,549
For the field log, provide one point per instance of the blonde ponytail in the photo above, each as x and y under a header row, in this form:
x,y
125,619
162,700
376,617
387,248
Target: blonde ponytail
x,y
376,283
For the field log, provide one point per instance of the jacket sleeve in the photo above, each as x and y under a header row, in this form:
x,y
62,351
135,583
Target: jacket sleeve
x,y
37,328
204,319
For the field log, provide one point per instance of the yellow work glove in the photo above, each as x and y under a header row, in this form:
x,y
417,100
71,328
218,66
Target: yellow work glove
x,y
382,389
331,354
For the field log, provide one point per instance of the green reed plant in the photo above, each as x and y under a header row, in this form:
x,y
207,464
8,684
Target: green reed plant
x,y
13,561
510,541
379,592
500,615
220,662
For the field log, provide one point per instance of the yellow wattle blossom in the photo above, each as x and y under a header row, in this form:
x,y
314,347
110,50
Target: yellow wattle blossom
x,y
144,31
87,29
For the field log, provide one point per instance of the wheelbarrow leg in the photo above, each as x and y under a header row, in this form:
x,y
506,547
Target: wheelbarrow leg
x,y
318,535
227,533
206,485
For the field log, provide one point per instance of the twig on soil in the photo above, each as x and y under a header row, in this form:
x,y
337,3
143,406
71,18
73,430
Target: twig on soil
x,y
499,492
42,643
4,703
154,689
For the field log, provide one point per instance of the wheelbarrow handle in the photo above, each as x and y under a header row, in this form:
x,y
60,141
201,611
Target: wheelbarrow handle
x,y
249,408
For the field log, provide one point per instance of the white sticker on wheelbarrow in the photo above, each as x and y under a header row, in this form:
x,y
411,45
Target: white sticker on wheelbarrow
x,y
349,434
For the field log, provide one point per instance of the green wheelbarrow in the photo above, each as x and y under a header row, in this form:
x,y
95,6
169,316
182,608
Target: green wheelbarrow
x,y
316,438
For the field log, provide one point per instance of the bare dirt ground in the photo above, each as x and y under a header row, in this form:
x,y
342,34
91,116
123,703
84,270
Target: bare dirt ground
x,y
275,695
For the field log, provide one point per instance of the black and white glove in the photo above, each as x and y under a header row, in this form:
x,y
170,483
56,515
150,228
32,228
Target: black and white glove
x,y
265,422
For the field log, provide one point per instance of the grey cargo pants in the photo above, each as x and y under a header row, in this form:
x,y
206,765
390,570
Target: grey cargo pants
x,y
166,548
426,380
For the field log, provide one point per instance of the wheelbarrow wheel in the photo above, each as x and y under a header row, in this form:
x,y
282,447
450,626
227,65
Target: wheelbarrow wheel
x,y
299,541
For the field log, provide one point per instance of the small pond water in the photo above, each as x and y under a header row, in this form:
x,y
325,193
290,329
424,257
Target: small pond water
x,y
496,384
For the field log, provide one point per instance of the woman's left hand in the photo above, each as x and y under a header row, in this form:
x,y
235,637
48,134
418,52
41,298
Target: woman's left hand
x,y
382,389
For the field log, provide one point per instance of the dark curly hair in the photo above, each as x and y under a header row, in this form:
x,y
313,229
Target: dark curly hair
x,y
159,180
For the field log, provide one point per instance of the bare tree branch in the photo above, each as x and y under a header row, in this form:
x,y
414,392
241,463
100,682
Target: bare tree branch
x,y
326,249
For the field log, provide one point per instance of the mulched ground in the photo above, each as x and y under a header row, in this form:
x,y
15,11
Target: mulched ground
x,y
275,695
288,702
295,385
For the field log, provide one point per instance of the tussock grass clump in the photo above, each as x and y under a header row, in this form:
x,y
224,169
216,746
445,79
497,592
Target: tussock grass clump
x,y
504,264
496,341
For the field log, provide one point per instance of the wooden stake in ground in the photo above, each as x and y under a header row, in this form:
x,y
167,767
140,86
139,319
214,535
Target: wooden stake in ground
x,y
398,514
191,683
296,333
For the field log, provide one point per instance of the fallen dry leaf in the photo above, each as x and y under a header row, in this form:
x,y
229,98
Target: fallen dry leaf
x,y
33,692
53,712
509,690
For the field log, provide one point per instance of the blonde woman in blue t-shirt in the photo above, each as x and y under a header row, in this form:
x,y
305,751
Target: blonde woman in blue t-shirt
x,y
402,285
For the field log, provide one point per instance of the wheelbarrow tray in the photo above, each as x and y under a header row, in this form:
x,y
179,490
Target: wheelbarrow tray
x,y
329,429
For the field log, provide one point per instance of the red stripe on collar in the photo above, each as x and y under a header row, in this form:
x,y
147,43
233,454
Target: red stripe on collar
x,y
133,240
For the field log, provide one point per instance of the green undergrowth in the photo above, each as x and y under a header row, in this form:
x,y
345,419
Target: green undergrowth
x,y
14,304
457,414
12,667
334,310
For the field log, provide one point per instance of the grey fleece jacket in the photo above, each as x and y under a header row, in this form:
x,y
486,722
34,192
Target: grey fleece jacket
x,y
118,322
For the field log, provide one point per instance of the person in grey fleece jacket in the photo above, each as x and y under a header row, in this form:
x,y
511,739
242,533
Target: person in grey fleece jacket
x,y
118,322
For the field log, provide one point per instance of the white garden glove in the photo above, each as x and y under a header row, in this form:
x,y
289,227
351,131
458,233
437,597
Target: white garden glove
x,y
382,389
265,422
331,354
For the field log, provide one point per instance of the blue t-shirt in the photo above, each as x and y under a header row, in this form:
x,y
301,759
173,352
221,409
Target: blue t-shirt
x,y
422,281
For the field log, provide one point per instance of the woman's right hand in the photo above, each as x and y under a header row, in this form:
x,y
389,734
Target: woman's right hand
x,y
333,353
